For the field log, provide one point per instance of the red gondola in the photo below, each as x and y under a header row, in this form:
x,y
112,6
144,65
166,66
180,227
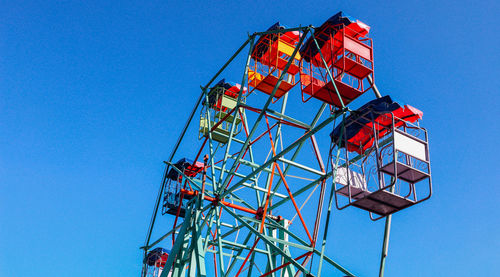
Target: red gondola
x,y
270,57
348,56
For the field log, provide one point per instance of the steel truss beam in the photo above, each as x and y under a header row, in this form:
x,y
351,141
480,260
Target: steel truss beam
x,y
200,234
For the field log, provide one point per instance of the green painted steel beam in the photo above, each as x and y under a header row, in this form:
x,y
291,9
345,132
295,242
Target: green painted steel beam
x,y
179,242
288,118
250,152
316,251
281,154
238,253
237,108
210,145
238,246
303,167
328,71
268,242
147,247
266,105
329,210
263,190
219,241
194,253
247,163
230,232
328,175
227,255
198,257
272,224
299,146
283,116
181,136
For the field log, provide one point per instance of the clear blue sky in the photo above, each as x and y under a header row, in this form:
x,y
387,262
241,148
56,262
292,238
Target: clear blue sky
x,y
92,93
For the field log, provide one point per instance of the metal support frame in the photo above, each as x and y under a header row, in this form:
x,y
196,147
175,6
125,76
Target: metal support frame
x,y
221,188
240,233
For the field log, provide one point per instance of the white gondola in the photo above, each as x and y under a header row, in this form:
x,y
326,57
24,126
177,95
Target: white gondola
x,y
392,171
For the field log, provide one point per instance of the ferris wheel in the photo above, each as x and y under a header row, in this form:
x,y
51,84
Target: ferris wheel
x,y
278,152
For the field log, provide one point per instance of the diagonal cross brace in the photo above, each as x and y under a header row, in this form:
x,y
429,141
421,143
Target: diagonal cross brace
x,y
282,153
267,241
269,100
